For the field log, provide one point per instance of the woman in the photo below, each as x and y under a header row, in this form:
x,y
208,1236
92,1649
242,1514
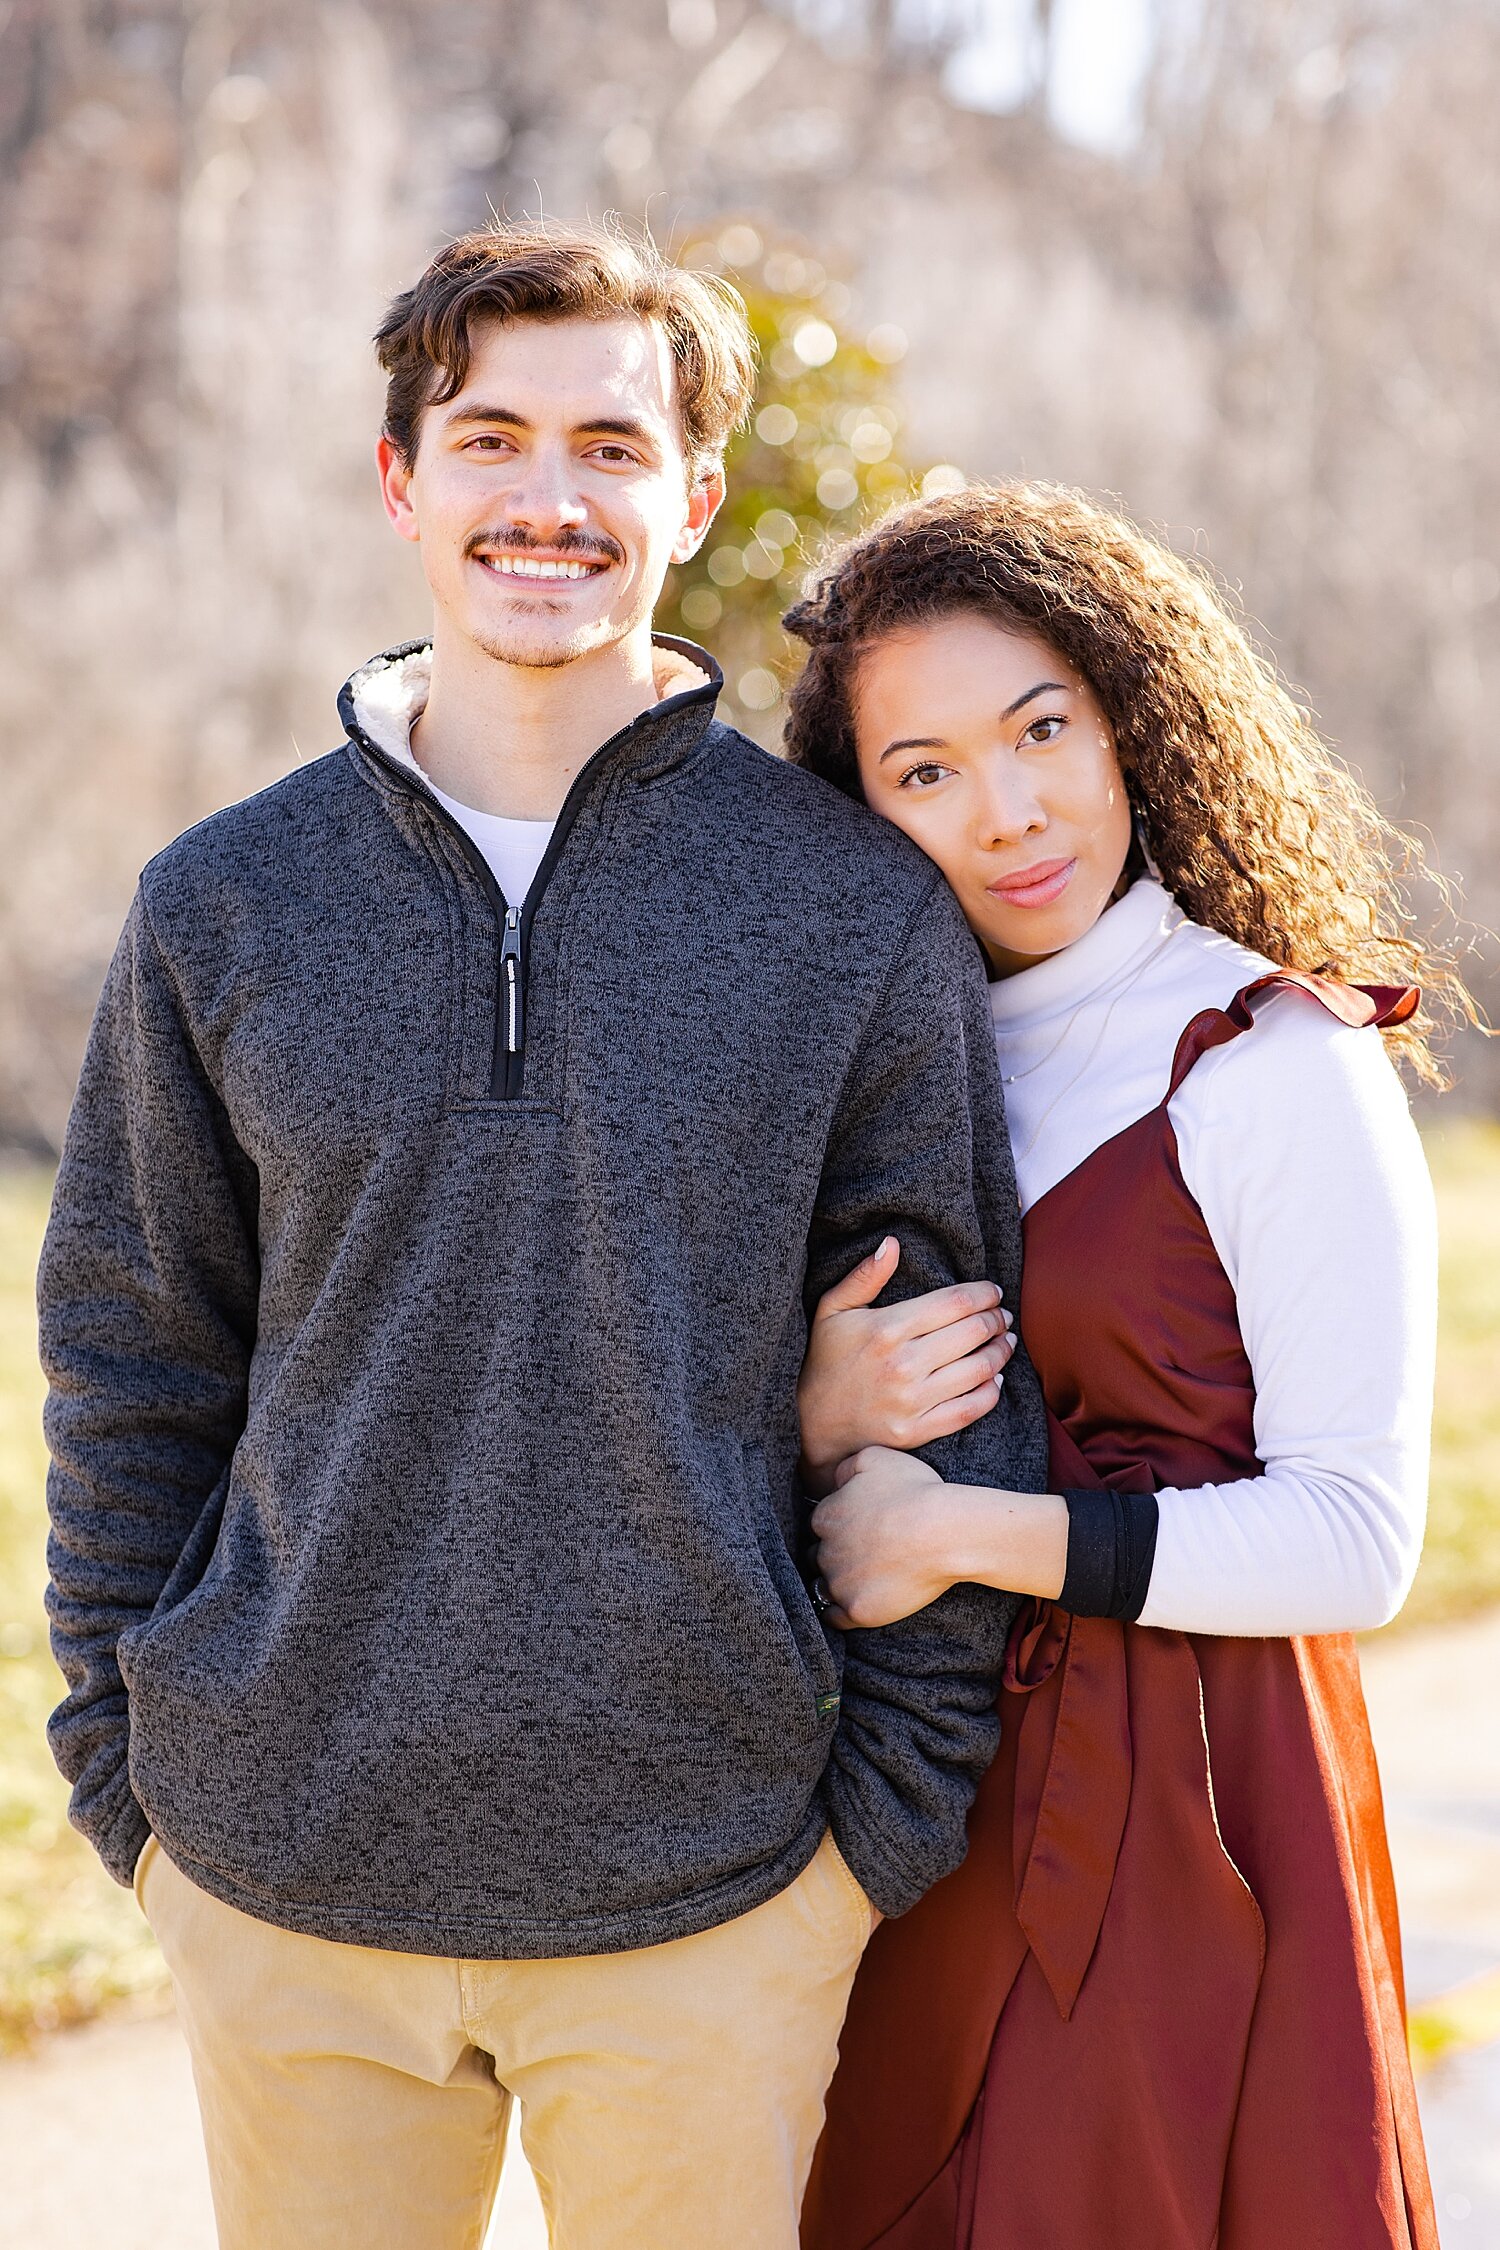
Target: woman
x,y
1160,2005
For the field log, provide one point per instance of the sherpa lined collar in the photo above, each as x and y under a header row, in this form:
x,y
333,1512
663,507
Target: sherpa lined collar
x,y
382,701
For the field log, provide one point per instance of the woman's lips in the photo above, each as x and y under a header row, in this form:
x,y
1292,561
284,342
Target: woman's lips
x,y
1037,885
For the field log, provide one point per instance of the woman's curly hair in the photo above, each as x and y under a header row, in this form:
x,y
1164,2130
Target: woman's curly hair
x,y
1258,829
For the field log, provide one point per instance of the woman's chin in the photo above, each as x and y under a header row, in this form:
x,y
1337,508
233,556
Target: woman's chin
x,y
1016,938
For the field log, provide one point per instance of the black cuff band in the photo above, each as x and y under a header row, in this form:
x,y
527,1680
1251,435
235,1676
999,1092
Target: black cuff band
x,y
1111,1548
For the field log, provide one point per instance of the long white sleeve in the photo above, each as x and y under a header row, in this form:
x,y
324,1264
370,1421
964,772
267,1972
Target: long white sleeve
x,y
1298,1146
1297,1143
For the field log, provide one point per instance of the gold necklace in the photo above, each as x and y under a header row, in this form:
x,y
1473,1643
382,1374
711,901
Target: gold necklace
x,y
1010,1078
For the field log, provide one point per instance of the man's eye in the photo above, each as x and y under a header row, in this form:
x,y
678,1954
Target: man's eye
x,y
615,453
487,442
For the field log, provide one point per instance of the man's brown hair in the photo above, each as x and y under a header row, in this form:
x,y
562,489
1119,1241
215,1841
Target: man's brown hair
x,y
535,272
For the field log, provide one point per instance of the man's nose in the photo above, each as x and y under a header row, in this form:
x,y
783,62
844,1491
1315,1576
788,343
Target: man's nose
x,y
545,496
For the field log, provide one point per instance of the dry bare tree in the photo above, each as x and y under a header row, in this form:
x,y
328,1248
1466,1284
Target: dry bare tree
x,y
1270,326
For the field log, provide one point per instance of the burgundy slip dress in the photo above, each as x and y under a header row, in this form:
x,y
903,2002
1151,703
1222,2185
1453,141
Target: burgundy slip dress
x,y
1160,2005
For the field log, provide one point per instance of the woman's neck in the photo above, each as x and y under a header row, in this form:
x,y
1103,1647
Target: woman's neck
x,y
1125,933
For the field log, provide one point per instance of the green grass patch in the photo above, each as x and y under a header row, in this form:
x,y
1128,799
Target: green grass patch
x,y
72,1942
1460,1567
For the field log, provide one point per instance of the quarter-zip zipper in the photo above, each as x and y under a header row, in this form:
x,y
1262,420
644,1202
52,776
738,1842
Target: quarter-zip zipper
x,y
512,997
508,1071
508,1049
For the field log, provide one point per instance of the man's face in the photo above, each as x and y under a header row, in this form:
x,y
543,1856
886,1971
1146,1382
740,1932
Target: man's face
x,y
552,494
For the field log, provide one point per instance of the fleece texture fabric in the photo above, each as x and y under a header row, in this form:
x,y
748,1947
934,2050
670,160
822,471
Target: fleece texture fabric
x,y
423,1304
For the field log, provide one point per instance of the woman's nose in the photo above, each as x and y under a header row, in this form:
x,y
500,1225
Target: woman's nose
x,y
1008,810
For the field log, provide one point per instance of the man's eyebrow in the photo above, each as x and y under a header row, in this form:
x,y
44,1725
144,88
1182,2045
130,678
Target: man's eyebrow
x,y
620,425
479,412
597,425
1043,687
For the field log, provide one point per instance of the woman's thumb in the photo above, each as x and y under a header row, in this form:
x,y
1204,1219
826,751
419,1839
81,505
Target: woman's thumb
x,y
864,1284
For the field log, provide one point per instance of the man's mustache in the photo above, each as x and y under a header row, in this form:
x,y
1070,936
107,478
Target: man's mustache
x,y
574,544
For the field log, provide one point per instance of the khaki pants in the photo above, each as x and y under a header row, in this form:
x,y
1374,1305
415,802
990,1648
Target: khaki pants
x,y
358,2100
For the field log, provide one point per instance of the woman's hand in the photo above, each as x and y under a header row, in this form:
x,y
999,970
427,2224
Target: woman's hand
x,y
882,1538
894,1536
900,1375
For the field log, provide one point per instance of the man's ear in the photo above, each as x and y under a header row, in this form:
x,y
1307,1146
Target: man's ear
x,y
395,490
704,502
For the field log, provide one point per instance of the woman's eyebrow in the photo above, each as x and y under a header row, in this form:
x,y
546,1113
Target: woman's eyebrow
x,y
912,742
935,742
1043,687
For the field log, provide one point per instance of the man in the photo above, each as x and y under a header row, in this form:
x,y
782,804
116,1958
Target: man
x,y
468,1123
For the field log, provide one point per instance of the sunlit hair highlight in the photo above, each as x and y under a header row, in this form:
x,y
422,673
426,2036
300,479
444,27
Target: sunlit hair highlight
x,y
1259,830
533,271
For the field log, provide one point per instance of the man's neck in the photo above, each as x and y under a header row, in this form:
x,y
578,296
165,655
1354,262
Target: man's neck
x,y
508,738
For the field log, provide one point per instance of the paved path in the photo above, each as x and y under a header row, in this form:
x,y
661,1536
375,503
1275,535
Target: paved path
x,y
99,2144
1434,1700
98,2132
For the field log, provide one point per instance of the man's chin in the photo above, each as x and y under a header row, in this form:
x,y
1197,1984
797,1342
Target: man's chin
x,y
532,651
530,655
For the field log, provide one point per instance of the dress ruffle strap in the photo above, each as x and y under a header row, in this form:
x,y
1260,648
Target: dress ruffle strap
x,y
1361,1006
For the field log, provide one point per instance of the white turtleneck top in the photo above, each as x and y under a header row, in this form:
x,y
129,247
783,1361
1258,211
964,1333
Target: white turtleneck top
x,y
1297,1144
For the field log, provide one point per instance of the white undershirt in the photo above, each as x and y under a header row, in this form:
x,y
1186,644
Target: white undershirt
x,y
390,697
1297,1144
514,848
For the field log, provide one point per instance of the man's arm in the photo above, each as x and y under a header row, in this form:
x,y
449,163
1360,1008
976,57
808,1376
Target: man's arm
x,y
147,1297
919,1150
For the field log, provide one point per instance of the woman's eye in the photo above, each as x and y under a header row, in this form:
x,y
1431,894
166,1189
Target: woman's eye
x,y
1045,730
922,777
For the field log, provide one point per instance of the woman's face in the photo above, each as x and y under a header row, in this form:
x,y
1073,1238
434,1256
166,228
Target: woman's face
x,y
994,755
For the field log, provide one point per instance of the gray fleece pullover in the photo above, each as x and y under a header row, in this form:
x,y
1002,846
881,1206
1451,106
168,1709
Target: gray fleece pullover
x,y
423,1305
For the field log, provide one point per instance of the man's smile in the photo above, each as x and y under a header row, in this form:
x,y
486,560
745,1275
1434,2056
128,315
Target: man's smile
x,y
551,570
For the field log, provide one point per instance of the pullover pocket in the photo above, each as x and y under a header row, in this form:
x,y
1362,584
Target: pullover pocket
x,y
817,1654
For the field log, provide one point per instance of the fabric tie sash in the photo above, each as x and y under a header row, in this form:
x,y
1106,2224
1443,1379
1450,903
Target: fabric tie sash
x,y
1072,1790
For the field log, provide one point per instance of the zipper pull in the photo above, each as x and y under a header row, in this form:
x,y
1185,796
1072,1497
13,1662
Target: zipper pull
x,y
510,972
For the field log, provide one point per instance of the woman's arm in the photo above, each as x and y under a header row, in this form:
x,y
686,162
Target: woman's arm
x,y
1310,1175
894,1536
1297,1142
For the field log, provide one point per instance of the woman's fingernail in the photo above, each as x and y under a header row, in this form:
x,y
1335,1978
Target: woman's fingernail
x,y
1009,1323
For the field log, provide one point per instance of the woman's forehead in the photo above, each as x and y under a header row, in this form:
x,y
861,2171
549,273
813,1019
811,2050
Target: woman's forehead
x,y
957,659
